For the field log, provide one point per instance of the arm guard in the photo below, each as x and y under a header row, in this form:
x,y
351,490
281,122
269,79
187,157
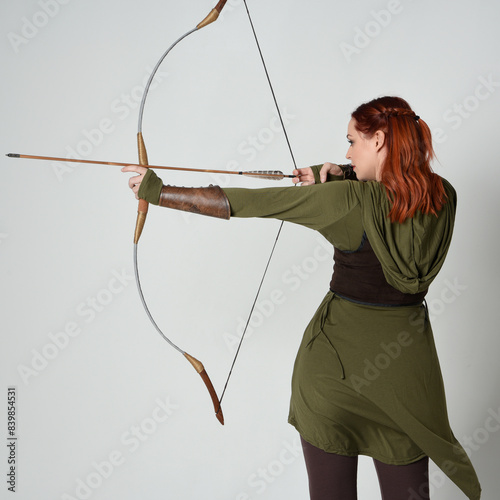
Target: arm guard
x,y
211,201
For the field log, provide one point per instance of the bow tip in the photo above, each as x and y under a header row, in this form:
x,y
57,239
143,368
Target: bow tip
x,y
220,416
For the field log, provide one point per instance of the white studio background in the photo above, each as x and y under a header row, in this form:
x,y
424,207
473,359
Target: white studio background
x,y
105,408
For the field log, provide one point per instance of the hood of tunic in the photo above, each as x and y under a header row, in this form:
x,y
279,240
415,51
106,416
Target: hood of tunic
x,y
411,253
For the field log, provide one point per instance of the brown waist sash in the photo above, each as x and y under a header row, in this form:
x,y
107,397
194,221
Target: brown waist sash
x,y
358,276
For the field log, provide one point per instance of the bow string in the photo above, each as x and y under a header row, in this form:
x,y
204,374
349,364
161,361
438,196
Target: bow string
x,y
250,314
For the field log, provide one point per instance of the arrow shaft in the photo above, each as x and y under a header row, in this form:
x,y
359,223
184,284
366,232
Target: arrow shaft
x,y
267,174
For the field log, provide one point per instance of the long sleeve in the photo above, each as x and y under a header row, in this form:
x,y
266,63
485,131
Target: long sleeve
x,y
347,173
332,208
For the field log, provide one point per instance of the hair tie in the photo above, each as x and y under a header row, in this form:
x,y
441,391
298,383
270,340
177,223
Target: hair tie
x,y
417,118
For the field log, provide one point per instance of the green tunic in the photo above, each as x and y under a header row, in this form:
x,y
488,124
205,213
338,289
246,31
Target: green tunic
x,y
367,378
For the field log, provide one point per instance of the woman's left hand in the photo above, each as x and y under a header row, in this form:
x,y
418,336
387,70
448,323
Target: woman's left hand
x,y
135,181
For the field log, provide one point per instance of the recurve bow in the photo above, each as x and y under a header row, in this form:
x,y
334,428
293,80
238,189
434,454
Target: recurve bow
x,y
143,210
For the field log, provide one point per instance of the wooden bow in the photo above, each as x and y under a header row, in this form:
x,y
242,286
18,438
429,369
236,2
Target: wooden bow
x,y
143,210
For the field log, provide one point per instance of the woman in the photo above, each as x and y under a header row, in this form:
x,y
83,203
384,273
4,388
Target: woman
x,y
367,378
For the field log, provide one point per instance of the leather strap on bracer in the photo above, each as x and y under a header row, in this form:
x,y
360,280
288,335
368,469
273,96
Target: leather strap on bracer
x,y
211,201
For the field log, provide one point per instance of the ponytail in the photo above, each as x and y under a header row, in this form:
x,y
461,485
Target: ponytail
x,y
406,172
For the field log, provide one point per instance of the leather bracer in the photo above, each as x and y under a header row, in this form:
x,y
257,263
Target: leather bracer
x,y
211,201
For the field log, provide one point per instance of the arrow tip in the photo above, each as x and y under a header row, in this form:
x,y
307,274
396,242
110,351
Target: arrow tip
x,y
12,155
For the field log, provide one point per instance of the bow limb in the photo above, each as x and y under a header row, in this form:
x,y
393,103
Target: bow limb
x,y
143,157
143,210
196,364
213,15
200,369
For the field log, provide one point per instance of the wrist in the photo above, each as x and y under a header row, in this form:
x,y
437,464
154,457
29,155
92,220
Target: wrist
x,y
316,170
150,188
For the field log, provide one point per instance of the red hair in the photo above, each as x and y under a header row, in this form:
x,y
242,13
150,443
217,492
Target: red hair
x,y
406,172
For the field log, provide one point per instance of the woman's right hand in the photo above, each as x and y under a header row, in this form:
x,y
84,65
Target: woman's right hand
x,y
306,177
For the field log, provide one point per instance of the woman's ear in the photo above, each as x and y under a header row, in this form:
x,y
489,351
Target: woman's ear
x,y
379,139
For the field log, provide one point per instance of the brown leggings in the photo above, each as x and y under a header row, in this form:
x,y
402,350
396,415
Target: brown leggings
x,y
333,477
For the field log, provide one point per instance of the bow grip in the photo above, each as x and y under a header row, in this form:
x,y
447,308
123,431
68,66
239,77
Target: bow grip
x,y
142,210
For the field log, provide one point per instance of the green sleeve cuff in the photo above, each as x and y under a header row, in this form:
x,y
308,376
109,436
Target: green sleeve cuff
x,y
150,188
330,177
316,169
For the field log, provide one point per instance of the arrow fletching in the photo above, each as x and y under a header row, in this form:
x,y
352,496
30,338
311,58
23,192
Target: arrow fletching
x,y
270,175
